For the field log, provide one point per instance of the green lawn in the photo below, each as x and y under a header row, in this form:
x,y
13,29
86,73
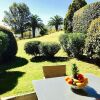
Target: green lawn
x,y
16,77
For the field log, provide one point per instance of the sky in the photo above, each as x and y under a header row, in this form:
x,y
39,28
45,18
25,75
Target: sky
x,y
43,8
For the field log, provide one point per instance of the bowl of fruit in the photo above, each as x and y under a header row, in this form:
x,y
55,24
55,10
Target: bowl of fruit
x,y
77,80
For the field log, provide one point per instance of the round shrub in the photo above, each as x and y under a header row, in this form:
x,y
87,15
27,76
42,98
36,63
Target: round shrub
x,y
73,43
83,17
3,42
32,48
92,46
11,50
43,31
49,49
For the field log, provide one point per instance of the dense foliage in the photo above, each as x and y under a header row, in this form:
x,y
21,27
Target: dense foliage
x,y
76,5
73,43
83,17
11,50
32,48
49,49
43,31
3,42
92,46
17,17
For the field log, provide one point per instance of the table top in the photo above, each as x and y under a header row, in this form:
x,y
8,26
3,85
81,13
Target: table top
x,y
58,89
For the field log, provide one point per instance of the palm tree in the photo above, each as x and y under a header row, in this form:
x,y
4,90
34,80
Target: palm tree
x,y
56,21
36,22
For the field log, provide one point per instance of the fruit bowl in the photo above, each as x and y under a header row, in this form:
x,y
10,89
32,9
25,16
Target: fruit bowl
x,y
77,87
78,83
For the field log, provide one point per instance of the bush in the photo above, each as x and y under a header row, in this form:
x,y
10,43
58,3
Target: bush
x,y
50,31
43,31
3,42
11,50
68,21
32,48
92,46
83,17
73,43
49,49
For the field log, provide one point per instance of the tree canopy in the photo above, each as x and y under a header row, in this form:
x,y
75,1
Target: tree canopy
x,y
17,17
35,22
68,21
56,21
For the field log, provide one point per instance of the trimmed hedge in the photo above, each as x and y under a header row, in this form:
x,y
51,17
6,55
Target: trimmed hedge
x,y
83,17
12,48
3,42
49,49
92,46
32,48
73,43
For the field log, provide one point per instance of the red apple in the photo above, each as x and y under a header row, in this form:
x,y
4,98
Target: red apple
x,y
80,77
70,81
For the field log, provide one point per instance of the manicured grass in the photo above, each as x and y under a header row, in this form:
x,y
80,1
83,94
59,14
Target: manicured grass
x,y
16,77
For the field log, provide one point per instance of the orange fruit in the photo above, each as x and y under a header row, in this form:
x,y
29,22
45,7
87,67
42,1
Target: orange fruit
x,y
70,81
67,78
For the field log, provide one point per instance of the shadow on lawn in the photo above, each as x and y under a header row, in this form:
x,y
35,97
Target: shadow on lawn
x,y
51,59
8,80
16,62
91,61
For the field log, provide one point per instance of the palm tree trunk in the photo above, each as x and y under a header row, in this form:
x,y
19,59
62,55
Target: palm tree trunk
x,y
33,32
56,27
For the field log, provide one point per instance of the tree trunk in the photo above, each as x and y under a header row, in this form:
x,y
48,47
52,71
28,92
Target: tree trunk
x,y
33,32
56,27
21,34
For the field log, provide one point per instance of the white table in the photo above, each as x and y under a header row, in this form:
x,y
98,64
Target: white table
x,y
57,89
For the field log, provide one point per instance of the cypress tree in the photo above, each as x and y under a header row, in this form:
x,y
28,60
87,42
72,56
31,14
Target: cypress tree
x,y
76,5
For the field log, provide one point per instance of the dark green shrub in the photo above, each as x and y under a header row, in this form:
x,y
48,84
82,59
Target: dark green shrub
x,y
64,43
32,48
43,31
92,46
83,17
68,21
73,43
49,49
11,50
3,42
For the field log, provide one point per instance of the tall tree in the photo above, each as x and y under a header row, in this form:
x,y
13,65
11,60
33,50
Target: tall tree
x,y
68,21
35,22
17,17
56,21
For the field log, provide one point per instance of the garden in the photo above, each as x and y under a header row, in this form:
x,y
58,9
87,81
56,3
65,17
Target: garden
x,y
22,59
